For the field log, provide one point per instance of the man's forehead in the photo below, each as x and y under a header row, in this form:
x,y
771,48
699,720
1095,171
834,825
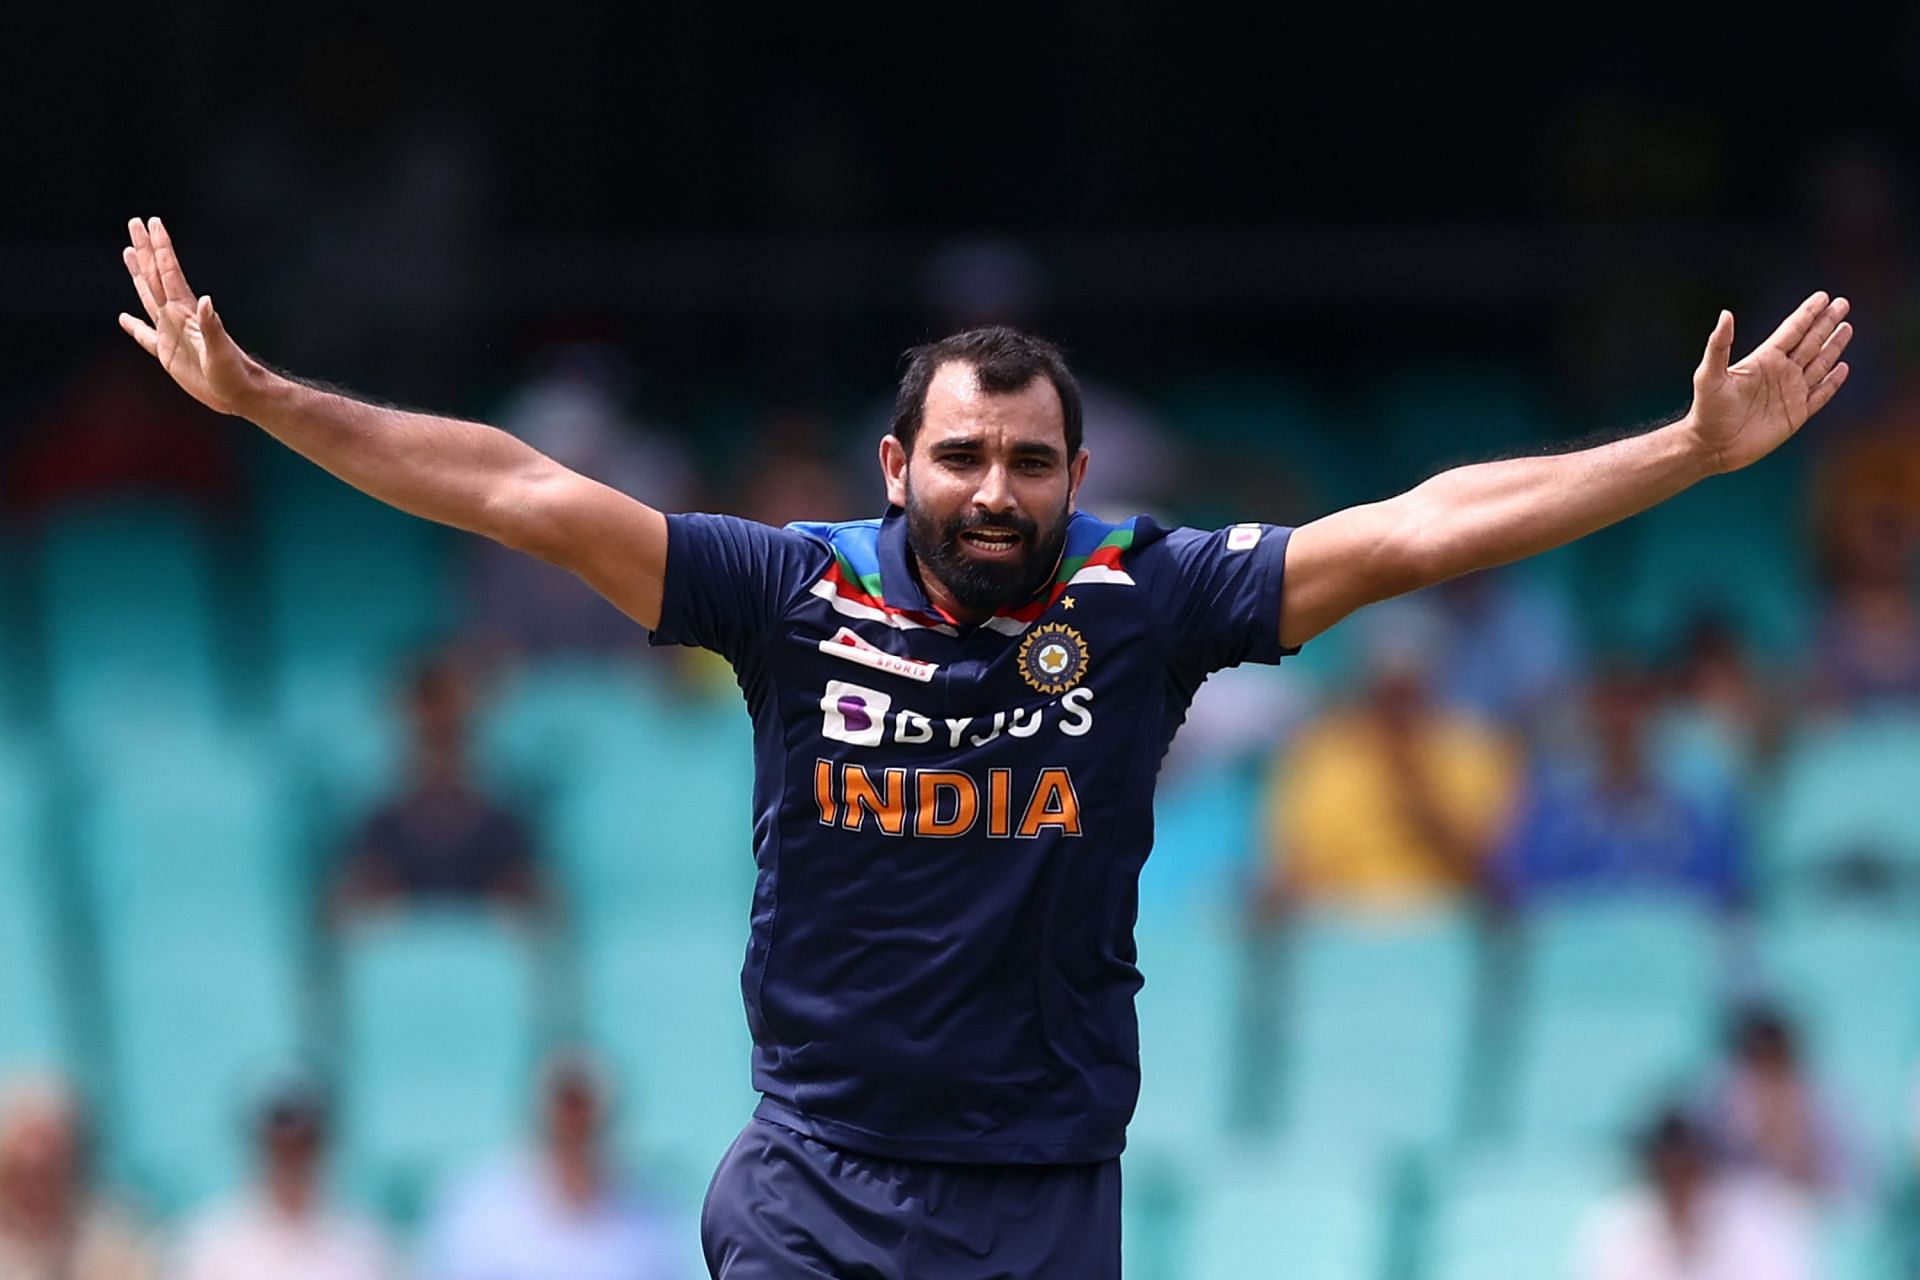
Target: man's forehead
x,y
957,405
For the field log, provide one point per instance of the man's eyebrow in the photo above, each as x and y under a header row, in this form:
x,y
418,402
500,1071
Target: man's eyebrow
x,y
1024,448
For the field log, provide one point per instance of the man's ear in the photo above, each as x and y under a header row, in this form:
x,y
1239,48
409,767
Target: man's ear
x,y
1076,472
893,468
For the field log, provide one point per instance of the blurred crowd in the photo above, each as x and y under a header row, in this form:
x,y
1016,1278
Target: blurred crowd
x,y
1472,746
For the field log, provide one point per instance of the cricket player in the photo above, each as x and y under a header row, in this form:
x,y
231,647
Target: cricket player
x,y
959,710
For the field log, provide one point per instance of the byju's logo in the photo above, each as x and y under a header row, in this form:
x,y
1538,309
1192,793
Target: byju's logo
x,y
854,713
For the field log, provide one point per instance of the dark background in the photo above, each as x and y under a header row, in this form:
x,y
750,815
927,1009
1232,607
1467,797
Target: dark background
x,y
745,198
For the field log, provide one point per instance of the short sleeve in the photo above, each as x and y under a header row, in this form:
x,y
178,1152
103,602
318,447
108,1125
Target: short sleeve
x,y
1220,595
729,580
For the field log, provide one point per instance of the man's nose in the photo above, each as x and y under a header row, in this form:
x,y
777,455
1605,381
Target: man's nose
x,y
994,493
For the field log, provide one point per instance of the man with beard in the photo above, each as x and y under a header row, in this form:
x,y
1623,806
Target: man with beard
x,y
959,710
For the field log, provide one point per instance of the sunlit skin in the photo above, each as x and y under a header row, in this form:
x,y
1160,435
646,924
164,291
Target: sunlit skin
x,y
1000,460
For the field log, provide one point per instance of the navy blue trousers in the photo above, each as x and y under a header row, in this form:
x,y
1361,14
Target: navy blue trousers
x,y
783,1205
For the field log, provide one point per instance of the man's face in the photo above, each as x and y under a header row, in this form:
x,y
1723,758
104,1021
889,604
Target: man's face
x,y
987,490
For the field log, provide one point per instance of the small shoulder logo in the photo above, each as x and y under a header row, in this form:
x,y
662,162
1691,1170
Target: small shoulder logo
x,y
1053,658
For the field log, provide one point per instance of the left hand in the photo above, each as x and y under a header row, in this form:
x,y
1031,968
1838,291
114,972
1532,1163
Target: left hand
x,y
1743,412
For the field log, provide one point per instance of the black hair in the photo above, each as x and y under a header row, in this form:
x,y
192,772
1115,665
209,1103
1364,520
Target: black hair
x,y
1761,1028
1003,358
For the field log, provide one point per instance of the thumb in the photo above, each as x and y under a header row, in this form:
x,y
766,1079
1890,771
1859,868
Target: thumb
x,y
1713,364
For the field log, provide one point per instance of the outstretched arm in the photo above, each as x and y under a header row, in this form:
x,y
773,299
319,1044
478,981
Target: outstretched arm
x,y
464,474
1494,512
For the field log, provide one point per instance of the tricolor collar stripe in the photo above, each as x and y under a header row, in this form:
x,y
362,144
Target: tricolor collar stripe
x,y
855,606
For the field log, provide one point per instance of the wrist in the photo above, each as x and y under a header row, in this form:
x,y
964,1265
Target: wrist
x,y
1697,457
262,390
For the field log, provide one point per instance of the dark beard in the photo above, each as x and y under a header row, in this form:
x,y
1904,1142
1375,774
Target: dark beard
x,y
977,584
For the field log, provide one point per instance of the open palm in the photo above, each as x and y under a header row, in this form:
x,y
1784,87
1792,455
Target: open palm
x,y
183,332
1742,412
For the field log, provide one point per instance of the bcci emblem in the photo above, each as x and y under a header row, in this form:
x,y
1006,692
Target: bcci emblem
x,y
1053,658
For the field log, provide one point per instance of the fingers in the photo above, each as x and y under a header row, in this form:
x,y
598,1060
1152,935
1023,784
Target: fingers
x,y
143,259
1829,354
210,320
1795,326
142,333
173,281
1719,347
1818,397
131,257
1819,331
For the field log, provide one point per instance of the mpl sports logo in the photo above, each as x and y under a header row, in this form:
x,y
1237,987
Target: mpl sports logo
x,y
863,717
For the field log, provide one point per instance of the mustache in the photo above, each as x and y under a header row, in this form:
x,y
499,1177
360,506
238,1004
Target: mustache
x,y
1026,527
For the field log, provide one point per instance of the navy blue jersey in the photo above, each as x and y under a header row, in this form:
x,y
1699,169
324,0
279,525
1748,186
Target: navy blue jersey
x,y
950,821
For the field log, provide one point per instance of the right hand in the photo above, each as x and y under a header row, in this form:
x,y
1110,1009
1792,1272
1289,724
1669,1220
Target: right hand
x,y
184,334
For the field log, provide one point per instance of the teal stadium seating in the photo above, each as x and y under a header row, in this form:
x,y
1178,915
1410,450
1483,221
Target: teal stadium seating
x,y
1851,980
1310,1217
36,1004
443,1012
1732,548
186,851
1279,423
1618,1006
349,584
1380,1024
1189,1019
129,625
663,1003
1497,1217
656,819
1429,419
1844,795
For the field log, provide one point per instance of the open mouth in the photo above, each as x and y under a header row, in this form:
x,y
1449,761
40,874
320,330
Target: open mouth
x,y
993,542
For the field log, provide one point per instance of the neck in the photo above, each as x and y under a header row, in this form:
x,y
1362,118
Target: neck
x,y
290,1195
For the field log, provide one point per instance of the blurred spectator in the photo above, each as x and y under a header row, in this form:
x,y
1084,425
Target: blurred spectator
x,y
792,475
443,836
1691,1222
557,1213
1398,801
1512,649
1765,1115
1614,826
1866,646
52,1227
284,1227
120,430
1719,724
574,410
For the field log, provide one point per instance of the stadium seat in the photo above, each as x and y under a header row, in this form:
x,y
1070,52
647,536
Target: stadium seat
x,y
1379,1032
1309,1217
36,1003
663,1003
442,1015
1729,549
1189,1010
1850,978
1279,423
659,820
1430,419
1204,834
1618,1002
129,631
1500,1217
347,581
186,853
1844,801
